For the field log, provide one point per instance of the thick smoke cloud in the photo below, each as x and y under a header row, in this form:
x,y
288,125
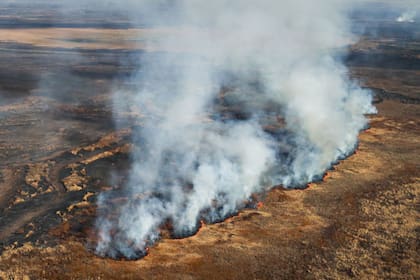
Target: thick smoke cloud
x,y
223,73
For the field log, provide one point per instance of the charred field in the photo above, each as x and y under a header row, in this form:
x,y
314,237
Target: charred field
x,y
61,144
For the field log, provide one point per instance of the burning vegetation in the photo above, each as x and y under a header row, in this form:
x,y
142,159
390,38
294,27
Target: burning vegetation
x,y
207,122
225,119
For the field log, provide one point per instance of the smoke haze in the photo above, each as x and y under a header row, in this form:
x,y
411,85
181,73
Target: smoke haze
x,y
408,16
237,97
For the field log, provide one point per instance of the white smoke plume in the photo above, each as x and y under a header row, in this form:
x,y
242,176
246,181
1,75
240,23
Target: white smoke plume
x,y
408,16
222,73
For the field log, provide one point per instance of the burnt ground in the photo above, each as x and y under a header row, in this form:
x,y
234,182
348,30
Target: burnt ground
x,y
60,147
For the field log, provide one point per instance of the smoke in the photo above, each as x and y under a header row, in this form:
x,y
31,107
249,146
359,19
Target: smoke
x,y
408,16
237,97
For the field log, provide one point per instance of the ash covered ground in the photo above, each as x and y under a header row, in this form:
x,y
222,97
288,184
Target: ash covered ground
x,y
61,144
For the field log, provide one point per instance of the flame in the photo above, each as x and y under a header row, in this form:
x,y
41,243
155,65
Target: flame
x,y
310,185
260,204
327,175
200,228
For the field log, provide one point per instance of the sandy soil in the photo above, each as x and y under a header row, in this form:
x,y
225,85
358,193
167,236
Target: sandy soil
x,y
94,38
85,38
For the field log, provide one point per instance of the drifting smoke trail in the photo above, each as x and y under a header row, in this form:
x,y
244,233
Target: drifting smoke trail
x,y
271,60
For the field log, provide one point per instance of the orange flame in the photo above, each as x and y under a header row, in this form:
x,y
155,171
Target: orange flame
x,y
326,176
202,224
